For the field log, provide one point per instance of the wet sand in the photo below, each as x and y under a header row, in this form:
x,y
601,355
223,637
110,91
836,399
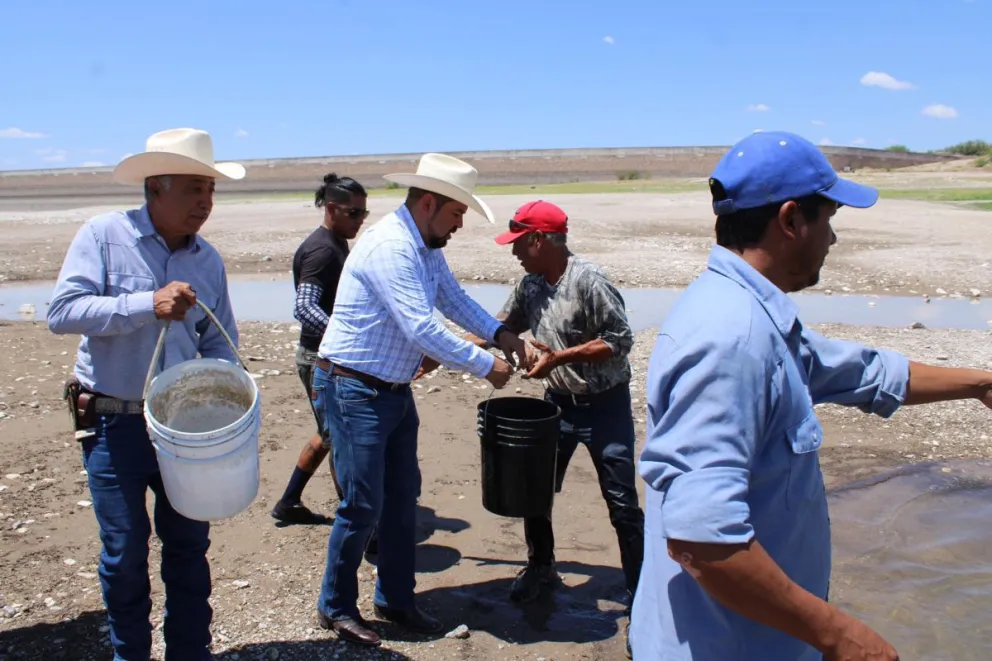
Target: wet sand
x,y
266,578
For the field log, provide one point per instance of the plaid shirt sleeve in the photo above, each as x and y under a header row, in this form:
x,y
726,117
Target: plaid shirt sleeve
x,y
460,308
390,271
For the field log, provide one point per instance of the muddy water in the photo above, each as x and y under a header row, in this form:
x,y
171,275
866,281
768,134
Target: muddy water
x,y
913,558
255,299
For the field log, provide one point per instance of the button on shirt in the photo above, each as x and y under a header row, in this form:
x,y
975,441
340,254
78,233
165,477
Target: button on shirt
x,y
105,293
731,454
384,321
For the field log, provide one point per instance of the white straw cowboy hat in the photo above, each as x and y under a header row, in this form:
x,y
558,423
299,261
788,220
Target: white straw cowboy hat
x,y
448,176
176,151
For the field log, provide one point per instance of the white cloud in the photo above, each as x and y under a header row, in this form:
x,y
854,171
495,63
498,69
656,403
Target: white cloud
x,y
817,122
92,164
55,156
940,111
760,107
885,81
241,133
857,142
825,142
13,132
609,40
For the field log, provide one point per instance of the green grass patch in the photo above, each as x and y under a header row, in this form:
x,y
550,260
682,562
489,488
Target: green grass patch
x,y
984,206
938,194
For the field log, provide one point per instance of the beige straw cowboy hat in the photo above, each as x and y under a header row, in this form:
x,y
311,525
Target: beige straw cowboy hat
x,y
448,176
176,151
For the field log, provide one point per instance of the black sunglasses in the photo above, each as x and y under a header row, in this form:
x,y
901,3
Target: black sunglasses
x,y
355,213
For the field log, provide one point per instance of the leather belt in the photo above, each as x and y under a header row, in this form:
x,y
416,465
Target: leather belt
x,y
110,406
367,379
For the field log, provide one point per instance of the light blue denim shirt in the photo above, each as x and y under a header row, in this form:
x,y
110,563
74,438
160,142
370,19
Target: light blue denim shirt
x,y
731,454
104,292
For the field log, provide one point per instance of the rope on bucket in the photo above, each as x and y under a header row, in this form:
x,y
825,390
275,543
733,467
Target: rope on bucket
x,y
161,343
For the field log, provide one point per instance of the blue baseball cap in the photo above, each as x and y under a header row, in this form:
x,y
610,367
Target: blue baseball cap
x,y
775,166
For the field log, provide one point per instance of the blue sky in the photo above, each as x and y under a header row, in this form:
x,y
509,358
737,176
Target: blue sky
x,y
86,83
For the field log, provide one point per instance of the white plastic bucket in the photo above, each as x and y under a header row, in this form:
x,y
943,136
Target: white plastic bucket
x,y
204,418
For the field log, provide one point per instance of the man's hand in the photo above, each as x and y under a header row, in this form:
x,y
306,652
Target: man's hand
x,y
857,642
500,373
173,300
511,344
427,365
987,399
547,361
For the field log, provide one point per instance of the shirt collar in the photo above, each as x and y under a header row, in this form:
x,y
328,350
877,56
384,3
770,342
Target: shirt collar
x,y
142,223
403,213
782,310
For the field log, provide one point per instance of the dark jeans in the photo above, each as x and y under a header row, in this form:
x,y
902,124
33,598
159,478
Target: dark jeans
x,y
305,364
121,466
375,454
605,425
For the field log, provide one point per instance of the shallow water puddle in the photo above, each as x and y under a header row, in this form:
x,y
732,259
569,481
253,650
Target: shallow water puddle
x,y
913,558
255,299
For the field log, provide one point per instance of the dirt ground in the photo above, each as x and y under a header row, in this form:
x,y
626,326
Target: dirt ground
x,y
642,239
266,577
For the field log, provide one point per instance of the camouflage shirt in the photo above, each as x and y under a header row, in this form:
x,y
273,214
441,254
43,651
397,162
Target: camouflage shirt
x,y
583,306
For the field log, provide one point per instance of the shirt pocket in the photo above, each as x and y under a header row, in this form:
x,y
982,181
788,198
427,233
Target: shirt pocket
x,y
805,481
127,283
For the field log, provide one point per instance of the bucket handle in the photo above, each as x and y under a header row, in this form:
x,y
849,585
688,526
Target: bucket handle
x,y
161,343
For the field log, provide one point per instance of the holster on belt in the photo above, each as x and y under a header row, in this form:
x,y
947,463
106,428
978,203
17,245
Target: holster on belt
x,y
82,414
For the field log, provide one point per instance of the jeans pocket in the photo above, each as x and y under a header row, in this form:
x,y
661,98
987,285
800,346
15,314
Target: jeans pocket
x,y
353,391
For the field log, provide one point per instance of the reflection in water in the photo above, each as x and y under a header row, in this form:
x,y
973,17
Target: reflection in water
x,y
913,558
256,299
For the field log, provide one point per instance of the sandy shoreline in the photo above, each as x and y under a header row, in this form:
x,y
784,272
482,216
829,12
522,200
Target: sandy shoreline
x,y
642,239
266,578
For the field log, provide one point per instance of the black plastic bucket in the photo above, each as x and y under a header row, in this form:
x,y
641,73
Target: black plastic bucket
x,y
519,438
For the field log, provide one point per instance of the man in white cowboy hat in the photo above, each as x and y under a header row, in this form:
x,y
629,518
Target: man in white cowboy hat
x,y
125,272
382,327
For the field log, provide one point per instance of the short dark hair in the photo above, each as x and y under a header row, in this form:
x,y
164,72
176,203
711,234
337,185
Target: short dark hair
x,y
746,228
413,195
338,190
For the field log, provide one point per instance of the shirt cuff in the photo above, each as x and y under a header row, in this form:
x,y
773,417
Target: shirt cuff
x,y
490,329
708,506
140,308
895,382
482,362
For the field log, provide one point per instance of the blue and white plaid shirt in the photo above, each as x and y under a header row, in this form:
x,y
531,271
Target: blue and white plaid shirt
x,y
384,321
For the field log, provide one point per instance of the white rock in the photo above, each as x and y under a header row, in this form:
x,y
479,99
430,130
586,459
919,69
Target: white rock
x,y
461,631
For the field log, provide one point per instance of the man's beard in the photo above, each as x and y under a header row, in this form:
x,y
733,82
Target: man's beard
x,y
437,242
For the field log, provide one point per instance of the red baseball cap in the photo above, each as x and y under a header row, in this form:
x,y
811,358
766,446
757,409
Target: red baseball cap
x,y
537,216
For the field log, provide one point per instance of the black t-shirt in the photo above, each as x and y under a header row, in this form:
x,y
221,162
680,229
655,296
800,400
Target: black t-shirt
x,y
319,260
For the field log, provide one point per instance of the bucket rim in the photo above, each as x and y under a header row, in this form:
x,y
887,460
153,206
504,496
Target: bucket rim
x,y
483,408
225,433
253,409
190,460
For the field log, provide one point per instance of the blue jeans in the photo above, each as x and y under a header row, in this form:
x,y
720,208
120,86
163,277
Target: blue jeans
x,y
603,423
375,457
121,466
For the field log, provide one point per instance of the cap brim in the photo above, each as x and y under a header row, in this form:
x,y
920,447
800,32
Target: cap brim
x,y
851,194
506,238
